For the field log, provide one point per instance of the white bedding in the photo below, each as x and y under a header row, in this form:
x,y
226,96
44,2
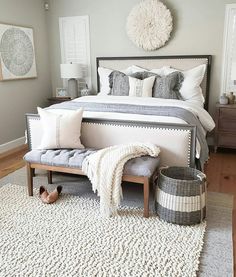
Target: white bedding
x,y
204,117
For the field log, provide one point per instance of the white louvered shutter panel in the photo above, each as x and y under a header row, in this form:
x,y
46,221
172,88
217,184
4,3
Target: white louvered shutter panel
x,y
229,52
75,45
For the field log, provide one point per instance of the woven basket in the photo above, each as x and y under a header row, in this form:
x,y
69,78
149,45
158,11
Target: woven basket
x,y
181,195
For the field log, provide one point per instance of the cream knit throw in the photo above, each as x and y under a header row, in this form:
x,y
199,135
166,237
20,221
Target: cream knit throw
x,y
105,168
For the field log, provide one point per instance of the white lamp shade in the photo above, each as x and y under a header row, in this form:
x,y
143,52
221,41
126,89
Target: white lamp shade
x,y
71,70
233,71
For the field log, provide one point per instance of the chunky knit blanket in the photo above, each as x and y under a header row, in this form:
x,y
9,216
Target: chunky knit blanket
x,y
105,168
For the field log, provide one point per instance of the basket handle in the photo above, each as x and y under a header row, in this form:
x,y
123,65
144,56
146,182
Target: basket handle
x,y
163,167
202,176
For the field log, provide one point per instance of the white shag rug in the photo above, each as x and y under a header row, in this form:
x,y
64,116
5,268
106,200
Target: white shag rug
x,y
69,238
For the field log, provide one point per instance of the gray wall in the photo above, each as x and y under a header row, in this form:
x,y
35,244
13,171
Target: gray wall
x,y
198,29
21,96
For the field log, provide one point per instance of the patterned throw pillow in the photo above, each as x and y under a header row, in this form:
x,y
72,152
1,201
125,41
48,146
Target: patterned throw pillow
x,y
141,88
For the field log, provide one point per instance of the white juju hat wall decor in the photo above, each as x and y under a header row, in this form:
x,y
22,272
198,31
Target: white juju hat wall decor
x,y
149,24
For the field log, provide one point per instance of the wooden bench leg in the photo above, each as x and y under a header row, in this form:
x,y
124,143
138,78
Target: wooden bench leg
x,y
49,176
146,197
30,179
154,186
33,171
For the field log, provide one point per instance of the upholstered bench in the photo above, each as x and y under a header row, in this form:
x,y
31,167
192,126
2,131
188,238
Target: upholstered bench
x,y
141,170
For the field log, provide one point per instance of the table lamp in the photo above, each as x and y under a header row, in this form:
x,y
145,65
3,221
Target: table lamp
x,y
72,72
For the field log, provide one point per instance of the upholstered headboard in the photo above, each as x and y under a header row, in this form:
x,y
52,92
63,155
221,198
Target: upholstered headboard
x,y
150,62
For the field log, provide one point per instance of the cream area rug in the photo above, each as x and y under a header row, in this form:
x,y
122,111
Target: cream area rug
x,y
69,238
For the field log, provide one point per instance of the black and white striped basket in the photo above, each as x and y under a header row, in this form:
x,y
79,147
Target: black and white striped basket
x,y
181,195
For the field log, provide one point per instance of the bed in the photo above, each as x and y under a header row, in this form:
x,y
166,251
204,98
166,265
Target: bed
x,y
110,120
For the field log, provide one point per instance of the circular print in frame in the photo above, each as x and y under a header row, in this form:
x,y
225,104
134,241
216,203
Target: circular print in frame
x,y
17,51
149,24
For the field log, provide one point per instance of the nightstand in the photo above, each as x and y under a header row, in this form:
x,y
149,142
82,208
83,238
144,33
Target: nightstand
x,y
57,100
225,131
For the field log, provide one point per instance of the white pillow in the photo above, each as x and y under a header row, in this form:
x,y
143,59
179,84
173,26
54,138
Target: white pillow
x,y
190,89
141,88
134,68
60,130
160,71
104,80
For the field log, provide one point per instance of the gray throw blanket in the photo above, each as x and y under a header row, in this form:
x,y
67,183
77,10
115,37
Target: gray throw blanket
x,y
181,113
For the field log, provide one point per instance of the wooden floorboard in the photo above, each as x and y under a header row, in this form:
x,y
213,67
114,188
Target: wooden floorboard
x,y
220,170
11,163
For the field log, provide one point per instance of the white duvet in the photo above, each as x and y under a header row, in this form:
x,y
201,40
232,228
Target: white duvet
x,y
204,117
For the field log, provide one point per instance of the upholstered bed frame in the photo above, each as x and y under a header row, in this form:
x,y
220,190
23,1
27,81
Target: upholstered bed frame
x,y
147,62
99,133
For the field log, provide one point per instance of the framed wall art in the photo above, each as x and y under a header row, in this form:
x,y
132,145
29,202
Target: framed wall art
x,y
17,53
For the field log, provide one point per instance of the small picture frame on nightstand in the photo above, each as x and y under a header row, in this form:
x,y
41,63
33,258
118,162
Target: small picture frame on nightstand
x,y
61,92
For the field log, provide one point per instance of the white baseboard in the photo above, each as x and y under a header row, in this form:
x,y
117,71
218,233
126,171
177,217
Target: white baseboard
x,y
12,144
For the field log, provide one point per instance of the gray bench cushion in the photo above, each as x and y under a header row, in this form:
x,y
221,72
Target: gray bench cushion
x,y
142,166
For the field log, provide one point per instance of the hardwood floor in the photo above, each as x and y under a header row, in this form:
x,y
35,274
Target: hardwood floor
x,y
221,176
12,160
220,170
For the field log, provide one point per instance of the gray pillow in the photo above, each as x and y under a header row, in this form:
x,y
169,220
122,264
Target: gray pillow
x,y
168,86
165,86
143,75
119,83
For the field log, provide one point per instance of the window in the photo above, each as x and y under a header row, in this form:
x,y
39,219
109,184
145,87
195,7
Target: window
x,y
229,54
75,45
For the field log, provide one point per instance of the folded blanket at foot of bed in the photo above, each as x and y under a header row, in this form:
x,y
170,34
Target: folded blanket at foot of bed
x,y
105,170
